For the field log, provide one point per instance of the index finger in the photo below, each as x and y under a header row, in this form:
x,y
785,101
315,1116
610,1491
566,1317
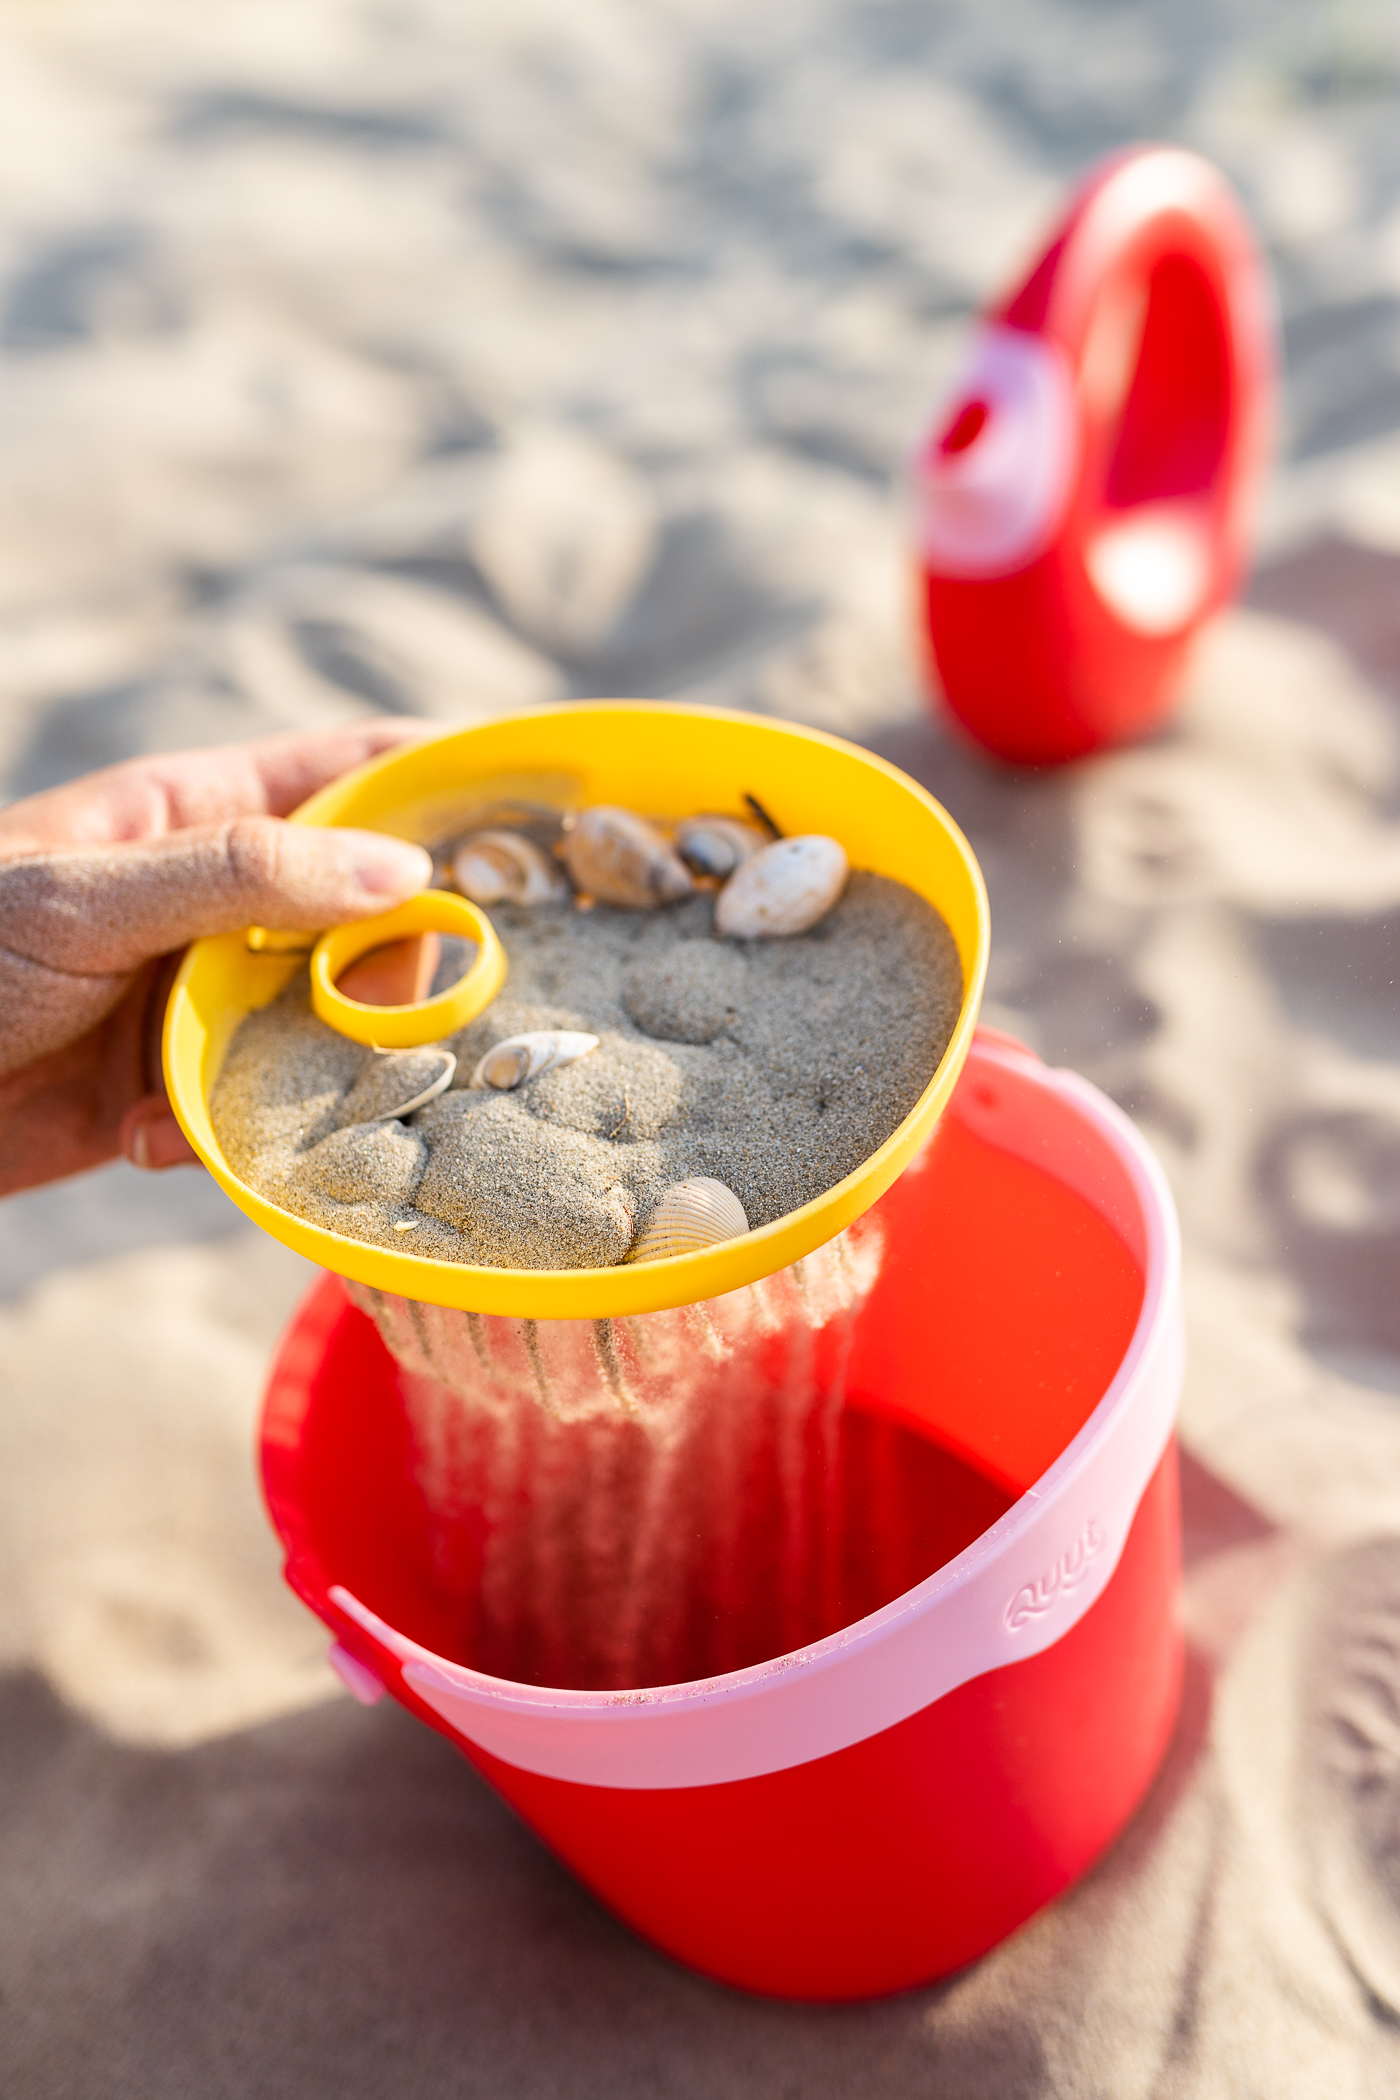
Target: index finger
x,y
146,798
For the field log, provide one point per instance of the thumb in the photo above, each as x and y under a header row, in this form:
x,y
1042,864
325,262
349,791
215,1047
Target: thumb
x,y
105,910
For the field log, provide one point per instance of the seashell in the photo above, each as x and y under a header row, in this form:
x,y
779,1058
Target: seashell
x,y
619,858
397,1082
501,867
784,889
690,1215
718,845
522,1057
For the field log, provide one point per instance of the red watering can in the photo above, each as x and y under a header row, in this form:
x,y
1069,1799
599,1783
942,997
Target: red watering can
x,y
1085,499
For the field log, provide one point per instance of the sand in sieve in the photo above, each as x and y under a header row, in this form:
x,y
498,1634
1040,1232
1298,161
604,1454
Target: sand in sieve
x,y
775,1066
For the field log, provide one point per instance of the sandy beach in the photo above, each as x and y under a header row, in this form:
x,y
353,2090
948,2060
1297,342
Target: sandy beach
x,y
447,360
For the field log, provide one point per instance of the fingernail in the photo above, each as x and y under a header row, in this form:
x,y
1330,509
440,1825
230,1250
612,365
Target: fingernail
x,y
152,1139
385,867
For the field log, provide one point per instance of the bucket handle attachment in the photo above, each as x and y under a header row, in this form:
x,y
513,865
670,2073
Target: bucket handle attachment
x,y
426,1020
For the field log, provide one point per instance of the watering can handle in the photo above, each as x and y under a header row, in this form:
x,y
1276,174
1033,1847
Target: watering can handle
x,y
1084,499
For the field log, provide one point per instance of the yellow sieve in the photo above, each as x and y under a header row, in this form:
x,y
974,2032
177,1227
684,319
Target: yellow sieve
x,y
666,762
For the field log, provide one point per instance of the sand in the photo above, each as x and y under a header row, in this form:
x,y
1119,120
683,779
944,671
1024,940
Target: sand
x,y
453,359
773,1066
614,1503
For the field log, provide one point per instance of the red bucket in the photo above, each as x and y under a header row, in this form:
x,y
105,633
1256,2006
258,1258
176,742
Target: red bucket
x,y
886,1802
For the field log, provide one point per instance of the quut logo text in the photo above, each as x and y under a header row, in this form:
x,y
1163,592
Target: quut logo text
x,y
1069,1571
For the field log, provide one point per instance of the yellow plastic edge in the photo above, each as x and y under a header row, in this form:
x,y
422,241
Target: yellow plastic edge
x,y
424,1020
667,761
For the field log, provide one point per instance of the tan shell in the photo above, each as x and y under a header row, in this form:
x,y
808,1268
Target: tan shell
x,y
501,867
783,890
522,1057
718,845
690,1215
619,858
397,1082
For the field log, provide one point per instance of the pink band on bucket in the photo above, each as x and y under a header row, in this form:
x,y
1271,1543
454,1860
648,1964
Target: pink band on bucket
x,y
1014,1592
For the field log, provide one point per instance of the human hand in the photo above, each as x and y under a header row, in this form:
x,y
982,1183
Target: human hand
x,y
102,879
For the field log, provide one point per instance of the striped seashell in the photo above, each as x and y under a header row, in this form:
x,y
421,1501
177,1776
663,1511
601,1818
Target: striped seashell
x,y
397,1082
783,890
690,1215
718,845
501,867
522,1057
619,858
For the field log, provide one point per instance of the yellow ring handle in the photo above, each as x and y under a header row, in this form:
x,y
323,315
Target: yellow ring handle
x,y
426,1020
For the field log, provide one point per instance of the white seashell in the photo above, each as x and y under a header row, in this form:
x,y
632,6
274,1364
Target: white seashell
x,y
718,845
522,1057
397,1082
619,858
501,867
783,890
690,1215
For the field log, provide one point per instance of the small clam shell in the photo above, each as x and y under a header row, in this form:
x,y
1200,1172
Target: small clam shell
x,y
501,867
619,858
522,1057
784,889
718,845
690,1215
396,1082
